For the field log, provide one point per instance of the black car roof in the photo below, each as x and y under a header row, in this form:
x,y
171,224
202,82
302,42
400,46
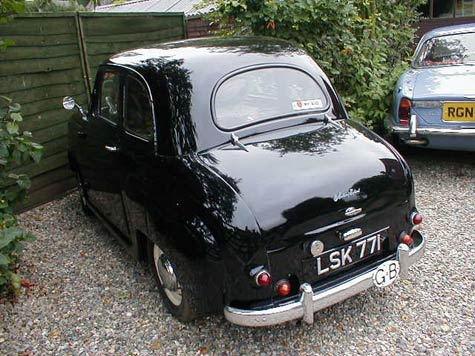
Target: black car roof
x,y
190,69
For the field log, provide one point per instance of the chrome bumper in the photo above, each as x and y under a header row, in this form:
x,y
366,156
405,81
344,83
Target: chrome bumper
x,y
310,302
435,131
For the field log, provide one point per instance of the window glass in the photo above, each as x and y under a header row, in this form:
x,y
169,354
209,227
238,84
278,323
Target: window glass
x,y
424,10
465,8
266,93
443,8
110,97
447,50
138,118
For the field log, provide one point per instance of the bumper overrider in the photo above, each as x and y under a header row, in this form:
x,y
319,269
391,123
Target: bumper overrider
x,y
308,302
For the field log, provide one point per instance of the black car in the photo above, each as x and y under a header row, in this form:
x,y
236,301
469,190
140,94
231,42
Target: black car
x,y
232,166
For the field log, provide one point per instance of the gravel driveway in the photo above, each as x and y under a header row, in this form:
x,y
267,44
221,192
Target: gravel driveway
x,y
91,298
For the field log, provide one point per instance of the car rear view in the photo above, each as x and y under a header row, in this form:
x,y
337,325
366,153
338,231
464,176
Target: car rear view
x,y
434,102
334,203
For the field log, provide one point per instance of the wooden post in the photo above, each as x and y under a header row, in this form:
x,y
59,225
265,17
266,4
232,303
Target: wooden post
x,y
86,71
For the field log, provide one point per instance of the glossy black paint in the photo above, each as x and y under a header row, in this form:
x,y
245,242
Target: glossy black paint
x,y
234,210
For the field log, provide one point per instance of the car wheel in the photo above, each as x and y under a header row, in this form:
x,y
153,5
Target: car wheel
x,y
179,282
82,194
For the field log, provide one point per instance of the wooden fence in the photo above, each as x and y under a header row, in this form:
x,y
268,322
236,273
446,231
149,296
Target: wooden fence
x,y
57,55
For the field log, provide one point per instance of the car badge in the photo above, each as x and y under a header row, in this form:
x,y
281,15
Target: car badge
x,y
352,211
316,248
352,192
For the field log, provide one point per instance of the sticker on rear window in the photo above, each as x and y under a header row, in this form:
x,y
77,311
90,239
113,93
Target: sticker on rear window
x,y
307,104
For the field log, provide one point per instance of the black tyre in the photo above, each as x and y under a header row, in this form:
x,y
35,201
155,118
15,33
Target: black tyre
x,y
82,194
180,282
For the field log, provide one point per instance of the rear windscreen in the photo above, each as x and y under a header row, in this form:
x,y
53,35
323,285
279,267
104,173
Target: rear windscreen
x,y
266,93
447,50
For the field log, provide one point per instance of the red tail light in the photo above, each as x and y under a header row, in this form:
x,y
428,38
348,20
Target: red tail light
x,y
406,239
416,218
284,288
263,279
405,106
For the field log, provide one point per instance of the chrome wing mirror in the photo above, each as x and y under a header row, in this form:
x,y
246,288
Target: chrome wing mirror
x,y
69,104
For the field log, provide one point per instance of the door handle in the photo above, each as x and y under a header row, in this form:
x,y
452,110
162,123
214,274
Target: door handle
x,y
111,148
82,134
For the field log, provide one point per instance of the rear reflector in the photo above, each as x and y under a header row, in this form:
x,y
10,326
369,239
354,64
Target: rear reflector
x,y
284,288
406,239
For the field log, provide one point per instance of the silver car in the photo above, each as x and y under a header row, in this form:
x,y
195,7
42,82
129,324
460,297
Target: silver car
x,y
434,101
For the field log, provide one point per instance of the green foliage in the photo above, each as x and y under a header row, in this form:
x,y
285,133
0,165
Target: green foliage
x,y
8,8
51,6
363,45
16,148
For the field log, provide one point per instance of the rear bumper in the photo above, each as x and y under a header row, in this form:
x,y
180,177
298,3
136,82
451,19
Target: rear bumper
x,y
414,135
309,301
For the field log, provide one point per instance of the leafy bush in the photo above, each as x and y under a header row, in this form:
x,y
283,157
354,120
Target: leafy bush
x,y
363,45
16,148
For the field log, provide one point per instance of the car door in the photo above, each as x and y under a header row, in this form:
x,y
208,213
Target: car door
x,y
137,137
101,169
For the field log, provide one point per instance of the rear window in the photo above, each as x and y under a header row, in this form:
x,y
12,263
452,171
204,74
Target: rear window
x,y
266,93
447,50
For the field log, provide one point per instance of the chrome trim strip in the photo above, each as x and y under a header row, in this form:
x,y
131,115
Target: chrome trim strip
x,y
332,226
433,131
309,302
352,211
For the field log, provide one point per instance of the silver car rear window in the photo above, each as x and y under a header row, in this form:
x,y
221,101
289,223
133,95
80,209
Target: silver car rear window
x,y
266,93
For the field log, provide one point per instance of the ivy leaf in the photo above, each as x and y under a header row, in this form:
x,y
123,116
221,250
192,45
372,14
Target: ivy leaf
x,y
12,128
9,234
15,107
24,182
27,134
4,150
6,98
3,113
36,156
4,260
36,146
15,116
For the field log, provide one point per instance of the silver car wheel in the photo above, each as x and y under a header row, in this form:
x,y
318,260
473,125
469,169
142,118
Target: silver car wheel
x,y
166,275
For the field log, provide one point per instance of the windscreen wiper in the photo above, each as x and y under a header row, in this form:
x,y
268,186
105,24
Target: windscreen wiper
x,y
235,141
326,119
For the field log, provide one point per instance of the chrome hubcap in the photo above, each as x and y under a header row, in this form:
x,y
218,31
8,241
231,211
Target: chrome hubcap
x,y
166,275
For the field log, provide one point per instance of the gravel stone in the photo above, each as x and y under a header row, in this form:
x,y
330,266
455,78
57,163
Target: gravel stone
x,y
91,298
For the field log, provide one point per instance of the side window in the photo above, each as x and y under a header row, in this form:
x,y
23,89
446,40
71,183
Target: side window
x,y
109,100
138,110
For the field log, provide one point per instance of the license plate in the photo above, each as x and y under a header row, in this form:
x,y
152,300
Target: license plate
x,y
458,111
353,252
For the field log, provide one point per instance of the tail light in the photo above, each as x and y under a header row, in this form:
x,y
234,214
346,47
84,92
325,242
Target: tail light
x,y
263,278
416,218
283,287
405,238
405,106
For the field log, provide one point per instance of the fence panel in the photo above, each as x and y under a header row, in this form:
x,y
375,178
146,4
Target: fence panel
x,y
56,55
